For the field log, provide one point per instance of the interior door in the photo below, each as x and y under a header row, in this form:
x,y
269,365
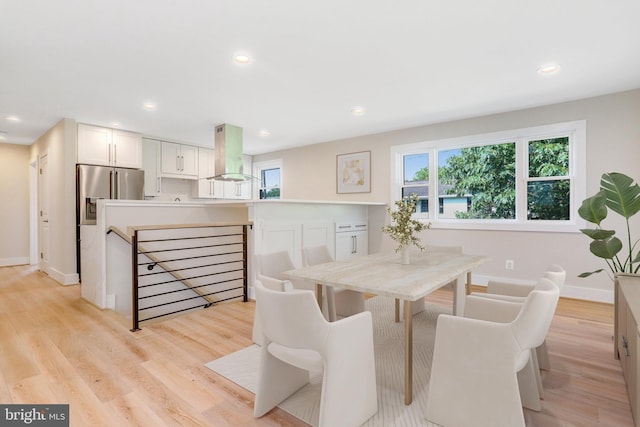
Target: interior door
x,y
43,222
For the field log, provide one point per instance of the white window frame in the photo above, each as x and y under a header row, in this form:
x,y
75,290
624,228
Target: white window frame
x,y
258,167
575,130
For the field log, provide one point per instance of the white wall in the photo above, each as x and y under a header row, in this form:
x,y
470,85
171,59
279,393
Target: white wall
x,y
14,214
59,143
613,144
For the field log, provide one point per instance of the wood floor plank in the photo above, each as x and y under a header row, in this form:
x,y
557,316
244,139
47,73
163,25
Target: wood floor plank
x,y
57,348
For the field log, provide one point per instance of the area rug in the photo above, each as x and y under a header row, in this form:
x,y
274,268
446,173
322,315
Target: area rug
x,y
241,367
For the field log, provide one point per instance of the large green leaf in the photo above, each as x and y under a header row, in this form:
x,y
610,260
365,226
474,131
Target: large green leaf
x,y
598,233
589,273
623,195
606,248
594,208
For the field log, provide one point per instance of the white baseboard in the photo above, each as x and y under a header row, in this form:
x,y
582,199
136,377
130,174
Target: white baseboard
x,y
8,262
62,278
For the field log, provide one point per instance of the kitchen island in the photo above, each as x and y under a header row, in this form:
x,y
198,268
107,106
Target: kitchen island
x,y
277,225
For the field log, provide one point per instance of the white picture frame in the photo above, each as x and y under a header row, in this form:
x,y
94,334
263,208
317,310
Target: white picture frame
x,y
353,172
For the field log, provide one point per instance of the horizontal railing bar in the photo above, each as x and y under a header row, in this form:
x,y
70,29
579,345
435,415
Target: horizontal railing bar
x,y
175,312
155,273
193,287
187,258
170,239
187,299
191,308
189,248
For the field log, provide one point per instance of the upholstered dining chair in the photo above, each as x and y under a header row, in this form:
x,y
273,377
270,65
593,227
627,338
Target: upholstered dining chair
x,y
340,302
297,339
482,371
269,269
516,292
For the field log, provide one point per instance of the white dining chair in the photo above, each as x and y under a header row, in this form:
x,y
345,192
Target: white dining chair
x,y
269,269
516,292
297,340
482,371
340,302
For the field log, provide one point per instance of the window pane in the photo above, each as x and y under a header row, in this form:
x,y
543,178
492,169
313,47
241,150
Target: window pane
x,y
415,168
423,197
549,157
478,182
270,178
416,171
548,200
270,184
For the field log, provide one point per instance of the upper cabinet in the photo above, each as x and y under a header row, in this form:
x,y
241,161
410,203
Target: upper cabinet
x,y
109,147
179,160
151,164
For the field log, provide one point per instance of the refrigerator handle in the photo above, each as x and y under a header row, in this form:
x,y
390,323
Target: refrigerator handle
x,y
111,196
116,182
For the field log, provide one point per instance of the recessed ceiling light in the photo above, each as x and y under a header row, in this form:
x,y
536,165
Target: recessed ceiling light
x,y
13,118
241,58
3,134
264,133
115,124
548,69
149,106
357,111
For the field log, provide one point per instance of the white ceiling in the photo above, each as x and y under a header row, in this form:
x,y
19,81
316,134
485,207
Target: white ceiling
x,y
408,63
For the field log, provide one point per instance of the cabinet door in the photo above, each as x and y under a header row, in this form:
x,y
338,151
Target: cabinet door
x,y
209,189
189,160
631,369
151,165
345,246
206,163
170,154
126,149
361,243
237,189
94,145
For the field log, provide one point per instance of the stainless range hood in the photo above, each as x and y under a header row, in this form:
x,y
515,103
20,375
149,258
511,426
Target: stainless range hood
x,y
228,154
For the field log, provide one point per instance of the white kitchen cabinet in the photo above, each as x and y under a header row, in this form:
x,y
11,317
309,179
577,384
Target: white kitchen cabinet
x,y
237,190
240,189
352,239
179,160
206,162
207,188
109,147
151,163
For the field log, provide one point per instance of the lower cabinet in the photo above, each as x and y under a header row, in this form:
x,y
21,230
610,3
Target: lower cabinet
x,y
627,340
352,239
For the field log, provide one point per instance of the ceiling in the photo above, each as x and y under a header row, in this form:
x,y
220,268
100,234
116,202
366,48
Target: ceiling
x,y
407,63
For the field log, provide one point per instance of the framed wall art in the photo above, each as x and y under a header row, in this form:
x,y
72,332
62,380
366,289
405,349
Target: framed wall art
x,y
353,172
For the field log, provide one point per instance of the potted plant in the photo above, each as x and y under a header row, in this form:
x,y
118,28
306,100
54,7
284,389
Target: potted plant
x,y
403,227
620,194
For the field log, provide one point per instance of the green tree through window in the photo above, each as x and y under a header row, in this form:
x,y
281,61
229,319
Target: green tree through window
x,y
487,174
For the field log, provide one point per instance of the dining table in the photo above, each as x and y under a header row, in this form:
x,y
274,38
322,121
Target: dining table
x,y
383,274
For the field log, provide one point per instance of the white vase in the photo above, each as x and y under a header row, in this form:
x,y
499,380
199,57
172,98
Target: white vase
x,y
404,252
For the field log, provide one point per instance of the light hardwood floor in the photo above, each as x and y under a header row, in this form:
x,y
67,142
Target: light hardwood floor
x,y
57,348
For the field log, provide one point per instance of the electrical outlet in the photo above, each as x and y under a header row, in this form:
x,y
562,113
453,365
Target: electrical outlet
x,y
508,264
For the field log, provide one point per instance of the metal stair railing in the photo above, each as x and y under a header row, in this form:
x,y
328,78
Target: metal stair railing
x,y
178,268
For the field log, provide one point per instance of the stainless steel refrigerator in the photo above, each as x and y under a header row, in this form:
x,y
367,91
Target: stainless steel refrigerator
x,y
101,182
